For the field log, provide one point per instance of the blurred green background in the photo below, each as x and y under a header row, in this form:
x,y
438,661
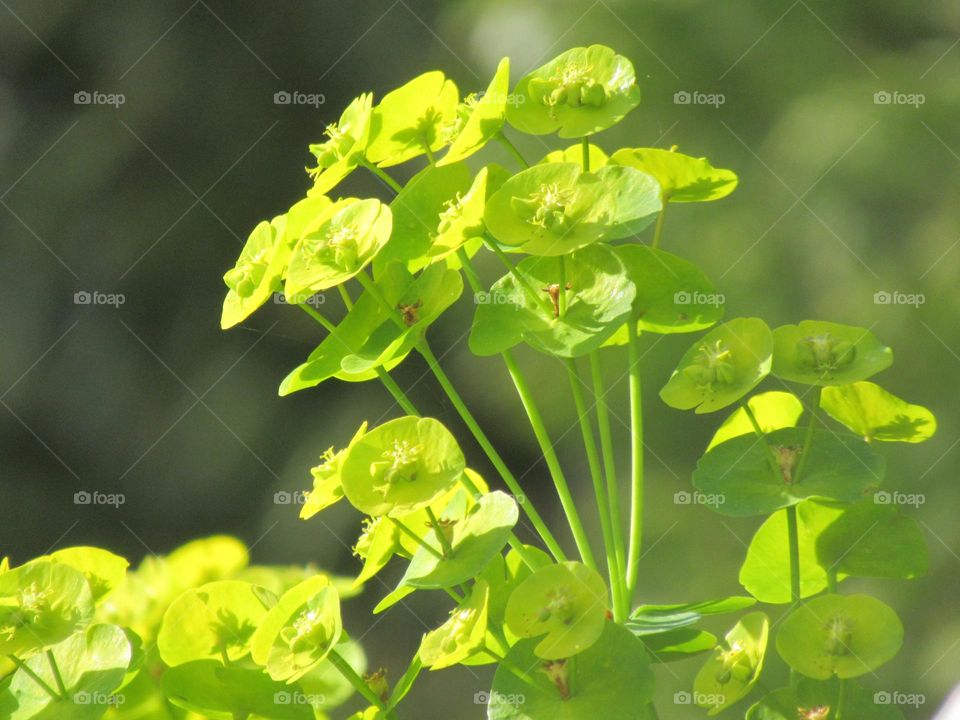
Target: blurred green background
x,y
841,196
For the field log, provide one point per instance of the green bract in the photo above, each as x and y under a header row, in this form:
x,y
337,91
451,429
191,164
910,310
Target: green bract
x,y
344,147
401,466
735,667
682,178
722,367
826,353
610,680
772,410
598,301
41,603
843,635
479,119
297,633
754,478
410,120
874,414
574,154
256,276
580,92
461,635
327,487
103,570
818,700
215,620
555,208
567,602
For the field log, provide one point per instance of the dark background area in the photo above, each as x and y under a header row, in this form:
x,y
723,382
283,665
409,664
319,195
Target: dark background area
x,y
840,197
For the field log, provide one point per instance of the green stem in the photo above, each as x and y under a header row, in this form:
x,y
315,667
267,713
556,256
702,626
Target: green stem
x,y
394,185
359,684
658,229
512,149
636,461
808,438
841,700
319,317
585,145
758,431
793,539
21,665
553,462
56,674
429,152
610,468
617,589
832,580
562,292
345,296
441,535
405,529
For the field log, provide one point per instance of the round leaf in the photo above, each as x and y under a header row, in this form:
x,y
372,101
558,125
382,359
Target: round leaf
x,y
826,353
103,570
574,154
874,414
772,410
735,667
818,700
682,178
461,635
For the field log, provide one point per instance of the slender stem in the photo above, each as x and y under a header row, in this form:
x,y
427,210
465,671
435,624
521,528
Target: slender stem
x,y
793,539
21,665
224,657
441,535
758,431
319,317
841,700
512,149
832,580
345,296
562,293
394,185
359,684
610,468
56,674
405,529
599,490
429,152
553,462
585,144
808,438
536,297
658,229
636,461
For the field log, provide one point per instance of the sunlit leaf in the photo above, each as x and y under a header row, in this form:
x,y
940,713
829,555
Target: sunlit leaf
x,y
735,667
826,353
873,413
682,178
461,635
344,147
479,119
773,410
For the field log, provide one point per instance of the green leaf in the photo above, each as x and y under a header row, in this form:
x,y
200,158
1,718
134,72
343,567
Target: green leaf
x,y
726,364
679,644
226,693
338,249
92,665
343,149
826,353
566,602
842,635
598,302
741,471
297,634
212,558
611,679
256,275
41,604
580,92
574,154
412,119
325,686
378,542
773,410
673,296
874,414
215,619
327,486
401,466
735,667
556,208
682,178
653,619
479,119
818,700
103,570
461,635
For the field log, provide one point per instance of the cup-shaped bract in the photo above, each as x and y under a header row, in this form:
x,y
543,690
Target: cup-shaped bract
x,y
479,118
826,353
256,275
772,410
212,621
555,208
344,147
597,300
297,633
103,570
735,666
580,92
338,249
410,120
401,466
378,541
327,486
41,604
566,602
681,178
875,414
842,635
757,478
461,635
722,367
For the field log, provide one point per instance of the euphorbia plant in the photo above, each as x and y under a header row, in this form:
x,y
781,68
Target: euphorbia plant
x,y
572,634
